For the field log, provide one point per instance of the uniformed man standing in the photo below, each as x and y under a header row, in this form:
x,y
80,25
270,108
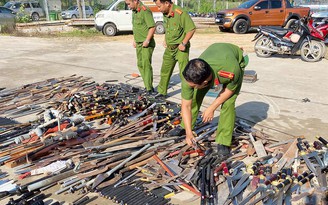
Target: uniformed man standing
x,y
220,63
143,32
179,29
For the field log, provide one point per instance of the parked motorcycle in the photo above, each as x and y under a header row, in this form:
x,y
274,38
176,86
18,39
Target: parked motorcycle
x,y
320,31
289,41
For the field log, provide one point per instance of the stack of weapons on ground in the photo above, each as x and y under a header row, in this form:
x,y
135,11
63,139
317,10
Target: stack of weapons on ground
x,y
113,139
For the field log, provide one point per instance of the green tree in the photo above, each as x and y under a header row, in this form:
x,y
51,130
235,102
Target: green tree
x,y
22,16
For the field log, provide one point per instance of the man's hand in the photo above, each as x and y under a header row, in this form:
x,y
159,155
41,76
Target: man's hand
x,y
145,44
164,44
182,47
208,115
134,44
190,139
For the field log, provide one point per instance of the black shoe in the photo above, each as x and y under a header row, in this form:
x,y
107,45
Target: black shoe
x,y
160,96
178,131
152,92
223,152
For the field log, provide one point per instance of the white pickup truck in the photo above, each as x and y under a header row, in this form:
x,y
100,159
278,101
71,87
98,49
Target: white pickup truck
x,y
118,17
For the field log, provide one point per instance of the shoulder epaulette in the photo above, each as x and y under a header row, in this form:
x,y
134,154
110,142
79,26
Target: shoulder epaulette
x,y
144,8
178,11
216,81
226,74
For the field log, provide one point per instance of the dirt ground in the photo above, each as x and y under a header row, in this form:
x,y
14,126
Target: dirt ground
x,y
201,39
204,36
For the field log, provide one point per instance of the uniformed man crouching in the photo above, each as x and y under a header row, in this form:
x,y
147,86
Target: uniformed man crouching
x,y
220,63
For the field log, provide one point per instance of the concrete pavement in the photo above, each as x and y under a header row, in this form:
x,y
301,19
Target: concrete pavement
x,y
275,101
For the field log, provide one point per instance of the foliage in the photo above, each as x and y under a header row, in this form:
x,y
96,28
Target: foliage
x,y
22,16
97,7
208,6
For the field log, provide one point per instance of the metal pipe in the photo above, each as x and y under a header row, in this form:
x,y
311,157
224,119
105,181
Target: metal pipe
x,y
50,180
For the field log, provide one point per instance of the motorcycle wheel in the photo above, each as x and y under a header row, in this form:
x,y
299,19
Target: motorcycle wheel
x,y
312,51
324,49
263,42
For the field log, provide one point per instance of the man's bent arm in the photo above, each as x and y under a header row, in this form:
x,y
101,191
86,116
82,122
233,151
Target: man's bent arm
x,y
223,96
150,34
188,36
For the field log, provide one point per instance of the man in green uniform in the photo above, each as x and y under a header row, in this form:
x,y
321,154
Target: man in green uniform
x,y
179,29
220,63
143,32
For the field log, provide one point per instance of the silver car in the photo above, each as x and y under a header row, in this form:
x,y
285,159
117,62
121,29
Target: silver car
x,y
7,18
73,12
31,8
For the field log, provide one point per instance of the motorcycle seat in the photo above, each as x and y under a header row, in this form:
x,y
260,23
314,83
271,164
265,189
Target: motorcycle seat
x,y
277,30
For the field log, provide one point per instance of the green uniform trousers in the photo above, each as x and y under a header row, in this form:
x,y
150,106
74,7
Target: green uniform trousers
x,y
227,116
170,57
144,58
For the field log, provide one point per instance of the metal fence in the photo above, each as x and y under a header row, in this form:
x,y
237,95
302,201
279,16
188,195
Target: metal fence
x,y
315,6
308,2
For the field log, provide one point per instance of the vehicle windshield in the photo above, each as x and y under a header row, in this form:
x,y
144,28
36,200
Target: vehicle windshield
x,y
8,5
72,8
247,4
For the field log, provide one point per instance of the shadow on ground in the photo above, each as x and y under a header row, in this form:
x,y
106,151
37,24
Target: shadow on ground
x,y
253,111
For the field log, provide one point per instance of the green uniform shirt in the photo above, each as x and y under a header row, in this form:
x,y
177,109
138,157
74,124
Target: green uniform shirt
x,y
142,21
177,25
222,57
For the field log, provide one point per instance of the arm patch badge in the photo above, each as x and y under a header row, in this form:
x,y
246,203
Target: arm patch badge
x,y
226,74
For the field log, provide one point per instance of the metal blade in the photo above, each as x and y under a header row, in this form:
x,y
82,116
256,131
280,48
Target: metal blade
x,y
260,188
101,177
270,192
309,164
240,185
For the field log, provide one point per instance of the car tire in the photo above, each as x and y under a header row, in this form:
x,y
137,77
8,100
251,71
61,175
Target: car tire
x,y
223,29
291,24
160,29
35,16
74,16
110,29
241,26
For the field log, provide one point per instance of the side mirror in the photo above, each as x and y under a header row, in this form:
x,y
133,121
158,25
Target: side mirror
x,y
257,8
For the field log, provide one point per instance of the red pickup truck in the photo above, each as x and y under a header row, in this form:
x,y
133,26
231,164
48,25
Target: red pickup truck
x,y
254,13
